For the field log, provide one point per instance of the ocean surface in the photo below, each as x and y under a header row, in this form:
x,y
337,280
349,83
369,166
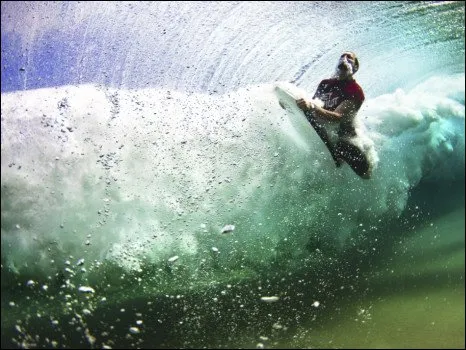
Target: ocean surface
x,y
155,194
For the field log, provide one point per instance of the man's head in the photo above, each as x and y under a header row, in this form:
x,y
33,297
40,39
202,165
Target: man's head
x,y
348,64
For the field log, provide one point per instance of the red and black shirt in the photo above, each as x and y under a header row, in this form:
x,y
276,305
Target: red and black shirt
x,y
333,92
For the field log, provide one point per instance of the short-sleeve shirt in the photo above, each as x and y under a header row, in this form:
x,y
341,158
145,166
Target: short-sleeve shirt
x,y
333,92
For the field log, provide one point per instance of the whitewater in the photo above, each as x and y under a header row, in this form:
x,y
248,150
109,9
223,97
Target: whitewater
x,y
148,174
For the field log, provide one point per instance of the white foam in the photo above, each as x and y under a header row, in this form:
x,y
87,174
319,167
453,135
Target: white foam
x,y
154,173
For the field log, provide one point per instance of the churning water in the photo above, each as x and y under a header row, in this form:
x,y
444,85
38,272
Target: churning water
x,y
155,194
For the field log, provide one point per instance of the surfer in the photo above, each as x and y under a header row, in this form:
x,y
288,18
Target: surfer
x,y
342,98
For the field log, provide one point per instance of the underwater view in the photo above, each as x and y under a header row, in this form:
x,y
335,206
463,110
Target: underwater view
x,y
158,191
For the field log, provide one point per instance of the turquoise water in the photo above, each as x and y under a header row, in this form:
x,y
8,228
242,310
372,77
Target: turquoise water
x,y
135,134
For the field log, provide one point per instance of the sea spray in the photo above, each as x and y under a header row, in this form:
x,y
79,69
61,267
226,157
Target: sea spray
x,y
136,176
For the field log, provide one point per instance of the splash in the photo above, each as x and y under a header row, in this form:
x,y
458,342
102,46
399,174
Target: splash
x,y
137,176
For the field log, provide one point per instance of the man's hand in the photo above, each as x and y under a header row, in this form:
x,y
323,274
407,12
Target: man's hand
x,y
304,105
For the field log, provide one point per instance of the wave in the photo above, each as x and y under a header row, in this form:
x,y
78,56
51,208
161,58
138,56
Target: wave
x,y
137,177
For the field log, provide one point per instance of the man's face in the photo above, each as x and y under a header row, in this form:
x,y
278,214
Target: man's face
x,y
346,64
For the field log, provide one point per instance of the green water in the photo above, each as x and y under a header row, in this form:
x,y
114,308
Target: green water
x,y
402,288
415,300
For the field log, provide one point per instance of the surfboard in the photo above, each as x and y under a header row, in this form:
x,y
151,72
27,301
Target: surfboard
x,y
342,150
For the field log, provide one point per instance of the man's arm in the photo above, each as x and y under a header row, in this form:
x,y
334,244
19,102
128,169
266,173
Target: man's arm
x,y
347,108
